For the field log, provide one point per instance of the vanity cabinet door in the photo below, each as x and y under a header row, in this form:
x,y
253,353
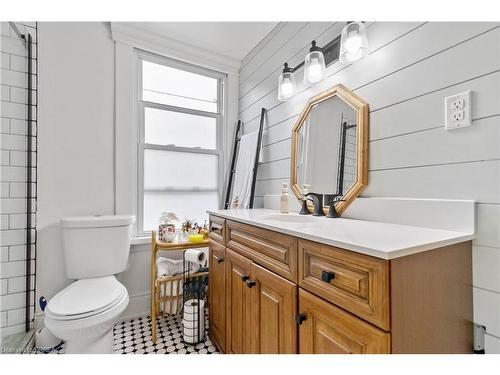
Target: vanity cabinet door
x,y
217,293
238,327
273,309
327,329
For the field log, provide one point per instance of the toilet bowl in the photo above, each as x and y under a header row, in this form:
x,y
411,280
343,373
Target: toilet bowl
x,y
84,313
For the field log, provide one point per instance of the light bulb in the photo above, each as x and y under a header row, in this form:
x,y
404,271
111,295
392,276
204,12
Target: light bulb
x,y
314,73
287,89
314,69
286,85
353,56
353,42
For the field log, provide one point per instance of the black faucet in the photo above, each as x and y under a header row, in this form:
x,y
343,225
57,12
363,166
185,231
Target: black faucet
x,y
317,200
332,212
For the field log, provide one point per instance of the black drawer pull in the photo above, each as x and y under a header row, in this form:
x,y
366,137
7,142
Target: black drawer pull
x,y
214,229
299,318
219,259
244,277
250,283
327,276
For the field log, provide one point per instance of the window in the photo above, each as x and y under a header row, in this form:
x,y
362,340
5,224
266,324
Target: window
x,y
180,109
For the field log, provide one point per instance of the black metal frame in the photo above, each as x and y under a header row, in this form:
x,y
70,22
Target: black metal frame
x,y
232,170
257,156
340,175
194,288
29,165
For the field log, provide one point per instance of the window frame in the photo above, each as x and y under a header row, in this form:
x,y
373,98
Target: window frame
x,y
142,146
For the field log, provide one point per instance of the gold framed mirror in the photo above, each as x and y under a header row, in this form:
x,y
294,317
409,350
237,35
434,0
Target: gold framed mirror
x,y
330,148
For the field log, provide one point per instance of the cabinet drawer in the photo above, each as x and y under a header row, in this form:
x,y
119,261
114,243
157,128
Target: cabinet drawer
x,y
275,251
358,283
327,329
217,229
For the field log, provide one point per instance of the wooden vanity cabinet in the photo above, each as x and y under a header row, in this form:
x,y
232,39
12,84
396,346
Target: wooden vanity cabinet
x,y
274,293
238,302
327,329
273,307
260,309
216,293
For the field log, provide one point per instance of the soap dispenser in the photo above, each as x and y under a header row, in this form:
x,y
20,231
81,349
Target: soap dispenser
x,y
285,199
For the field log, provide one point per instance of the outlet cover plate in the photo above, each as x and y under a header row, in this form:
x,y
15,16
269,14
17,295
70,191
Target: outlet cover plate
x,y
458,110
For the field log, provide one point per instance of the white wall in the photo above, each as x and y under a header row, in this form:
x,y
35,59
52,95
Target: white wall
x,y
76,136
410,69
78,68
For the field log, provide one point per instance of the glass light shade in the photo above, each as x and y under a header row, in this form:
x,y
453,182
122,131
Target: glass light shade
x,y
353,42
314,70
286,86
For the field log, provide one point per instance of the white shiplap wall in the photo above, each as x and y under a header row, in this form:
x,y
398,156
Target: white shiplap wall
x,y
13,117
411,67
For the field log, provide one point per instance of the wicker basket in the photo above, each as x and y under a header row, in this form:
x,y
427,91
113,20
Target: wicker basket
x,y
169,296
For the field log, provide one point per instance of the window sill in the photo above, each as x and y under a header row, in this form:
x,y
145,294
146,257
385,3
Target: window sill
x,y
140,240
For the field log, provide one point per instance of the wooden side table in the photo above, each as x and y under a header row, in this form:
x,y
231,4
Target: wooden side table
x,y
164,246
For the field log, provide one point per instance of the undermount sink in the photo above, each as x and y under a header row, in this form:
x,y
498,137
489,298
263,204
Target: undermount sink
x,y
289,218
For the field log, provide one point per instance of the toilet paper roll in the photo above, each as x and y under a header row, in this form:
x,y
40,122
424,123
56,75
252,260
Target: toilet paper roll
x,y
45,339
191,306
193,324
198,256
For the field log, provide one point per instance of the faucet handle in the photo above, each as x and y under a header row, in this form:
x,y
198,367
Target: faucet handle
x,y
336,198
332,212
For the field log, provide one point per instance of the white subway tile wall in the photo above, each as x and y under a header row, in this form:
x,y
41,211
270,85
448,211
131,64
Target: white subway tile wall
x,y
13,121
411,67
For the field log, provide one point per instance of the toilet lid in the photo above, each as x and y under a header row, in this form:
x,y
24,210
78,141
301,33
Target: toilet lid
x,y
86,297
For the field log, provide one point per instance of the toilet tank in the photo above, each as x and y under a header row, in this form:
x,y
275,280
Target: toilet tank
x,y
96,246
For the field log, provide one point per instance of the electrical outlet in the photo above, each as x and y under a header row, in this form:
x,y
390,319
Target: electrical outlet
x,y
458,110
457,104
457,115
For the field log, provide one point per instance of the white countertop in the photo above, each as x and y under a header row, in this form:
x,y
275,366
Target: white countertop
x,y
381,240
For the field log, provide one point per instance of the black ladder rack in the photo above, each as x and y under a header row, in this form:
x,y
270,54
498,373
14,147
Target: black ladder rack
x,y
232,170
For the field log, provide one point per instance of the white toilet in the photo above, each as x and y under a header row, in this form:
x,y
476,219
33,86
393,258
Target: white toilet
x,y
84,313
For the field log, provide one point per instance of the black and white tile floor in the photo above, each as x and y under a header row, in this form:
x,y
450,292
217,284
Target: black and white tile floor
x,y
134,337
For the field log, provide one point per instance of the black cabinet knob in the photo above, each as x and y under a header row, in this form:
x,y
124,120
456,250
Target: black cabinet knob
x,y
327,276
250,283
219,259
299,318
244,277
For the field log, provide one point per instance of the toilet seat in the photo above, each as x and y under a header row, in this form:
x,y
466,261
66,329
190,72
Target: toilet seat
x,y
85,298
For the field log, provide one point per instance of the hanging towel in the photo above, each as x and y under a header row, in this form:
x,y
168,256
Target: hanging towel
x,y
244,171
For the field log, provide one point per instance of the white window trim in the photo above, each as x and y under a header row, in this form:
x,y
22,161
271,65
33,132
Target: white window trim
x,y
140,122
126,130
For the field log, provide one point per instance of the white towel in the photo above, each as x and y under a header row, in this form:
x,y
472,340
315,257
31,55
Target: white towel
x,y
172,267
244,171
168,267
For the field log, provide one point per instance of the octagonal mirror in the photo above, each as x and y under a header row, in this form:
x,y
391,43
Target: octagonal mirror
x,y
330,148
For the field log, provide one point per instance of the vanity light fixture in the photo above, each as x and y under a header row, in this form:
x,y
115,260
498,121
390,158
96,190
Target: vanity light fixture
x,y
315,64
314,69
353,42
348,47
286,84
